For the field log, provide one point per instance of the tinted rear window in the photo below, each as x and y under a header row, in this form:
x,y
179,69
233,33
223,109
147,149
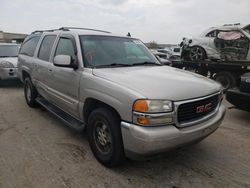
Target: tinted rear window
x,y
46,47
29,46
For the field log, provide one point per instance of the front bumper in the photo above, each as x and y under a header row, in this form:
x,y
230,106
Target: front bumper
x,y
145,141
8,73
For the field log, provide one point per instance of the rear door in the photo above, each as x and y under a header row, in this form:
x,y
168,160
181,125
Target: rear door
x,y
64,81
41,64
26,55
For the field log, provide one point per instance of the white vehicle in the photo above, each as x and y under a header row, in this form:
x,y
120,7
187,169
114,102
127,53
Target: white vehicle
x,y
174,52
8,61
227,43
161,56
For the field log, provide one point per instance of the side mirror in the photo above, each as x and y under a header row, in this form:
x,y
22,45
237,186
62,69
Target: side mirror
x,y
64,61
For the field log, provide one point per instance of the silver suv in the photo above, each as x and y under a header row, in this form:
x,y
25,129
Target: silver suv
x,y
8,61
114,87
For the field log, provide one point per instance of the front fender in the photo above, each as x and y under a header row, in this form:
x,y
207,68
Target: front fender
x,y
118,97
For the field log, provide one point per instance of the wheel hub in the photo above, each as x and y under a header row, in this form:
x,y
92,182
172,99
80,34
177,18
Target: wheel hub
x,y
196,54
103,137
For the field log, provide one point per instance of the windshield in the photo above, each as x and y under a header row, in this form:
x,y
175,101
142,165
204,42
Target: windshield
x,y
9,50
100,51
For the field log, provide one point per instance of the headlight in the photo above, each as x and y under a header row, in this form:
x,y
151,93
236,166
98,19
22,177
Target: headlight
x,y
6,64
152,106
152,112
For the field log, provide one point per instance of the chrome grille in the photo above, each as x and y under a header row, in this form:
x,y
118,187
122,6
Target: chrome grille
x,y
195,110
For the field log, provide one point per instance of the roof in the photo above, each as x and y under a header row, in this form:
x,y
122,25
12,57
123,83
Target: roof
x,y
79,31
226,27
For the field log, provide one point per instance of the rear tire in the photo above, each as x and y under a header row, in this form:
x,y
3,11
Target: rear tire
x,y
104,135
226,79
30,93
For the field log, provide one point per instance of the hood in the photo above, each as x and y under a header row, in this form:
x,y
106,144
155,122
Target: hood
x,y
12,60
160,82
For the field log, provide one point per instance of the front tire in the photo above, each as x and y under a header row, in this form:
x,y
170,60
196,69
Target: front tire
x,y
30,93
196,53
104,135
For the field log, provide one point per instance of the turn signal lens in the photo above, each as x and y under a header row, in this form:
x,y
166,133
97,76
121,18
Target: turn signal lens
x,y
141,106
143,120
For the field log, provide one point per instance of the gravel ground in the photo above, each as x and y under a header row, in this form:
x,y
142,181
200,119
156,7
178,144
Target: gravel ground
x,y
37,150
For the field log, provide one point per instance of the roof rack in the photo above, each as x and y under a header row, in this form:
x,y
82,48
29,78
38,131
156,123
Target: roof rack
x,y
50,30
67,29
89,29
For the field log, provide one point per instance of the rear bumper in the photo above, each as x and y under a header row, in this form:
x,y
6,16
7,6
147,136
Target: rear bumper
x,y
145,141
8,73
239,99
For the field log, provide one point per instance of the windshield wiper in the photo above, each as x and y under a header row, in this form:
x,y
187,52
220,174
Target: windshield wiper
x,y
146,63
114,65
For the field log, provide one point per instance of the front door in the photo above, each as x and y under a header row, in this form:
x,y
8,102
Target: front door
x,y
64,81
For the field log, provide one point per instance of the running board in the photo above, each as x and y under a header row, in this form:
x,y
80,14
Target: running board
x,y
65,117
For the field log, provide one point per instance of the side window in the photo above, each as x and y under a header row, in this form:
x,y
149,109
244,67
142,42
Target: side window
x,y
29,46
213,33
65,47
46,47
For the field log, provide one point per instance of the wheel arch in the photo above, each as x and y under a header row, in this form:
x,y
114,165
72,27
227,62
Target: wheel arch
x,y
91,104
25,75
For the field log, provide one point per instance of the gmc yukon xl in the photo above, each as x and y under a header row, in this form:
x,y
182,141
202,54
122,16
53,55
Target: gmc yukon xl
x,y
114,88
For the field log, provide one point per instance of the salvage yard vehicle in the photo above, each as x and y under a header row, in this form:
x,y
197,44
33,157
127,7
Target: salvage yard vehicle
x,y
162,57
221,53
229,42
173,52
8,61
240,96
114,87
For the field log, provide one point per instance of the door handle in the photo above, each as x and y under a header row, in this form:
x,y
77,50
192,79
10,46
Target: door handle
x,y
50,70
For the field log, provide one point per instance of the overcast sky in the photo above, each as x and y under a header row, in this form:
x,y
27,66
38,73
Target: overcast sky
x,y
164,21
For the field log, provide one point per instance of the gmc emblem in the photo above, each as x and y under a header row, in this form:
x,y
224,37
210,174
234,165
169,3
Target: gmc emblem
x,y
204,108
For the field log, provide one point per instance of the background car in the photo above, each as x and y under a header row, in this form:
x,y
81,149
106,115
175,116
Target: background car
x,y
229,42
173,52
162,57
8,61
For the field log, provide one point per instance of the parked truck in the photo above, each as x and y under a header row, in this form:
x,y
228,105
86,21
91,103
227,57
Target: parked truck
x,y
240,96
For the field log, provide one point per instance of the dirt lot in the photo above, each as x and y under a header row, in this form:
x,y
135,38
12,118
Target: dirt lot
x,y
37,150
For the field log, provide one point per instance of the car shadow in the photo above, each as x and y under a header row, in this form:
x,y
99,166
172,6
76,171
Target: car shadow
x,y
11,84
